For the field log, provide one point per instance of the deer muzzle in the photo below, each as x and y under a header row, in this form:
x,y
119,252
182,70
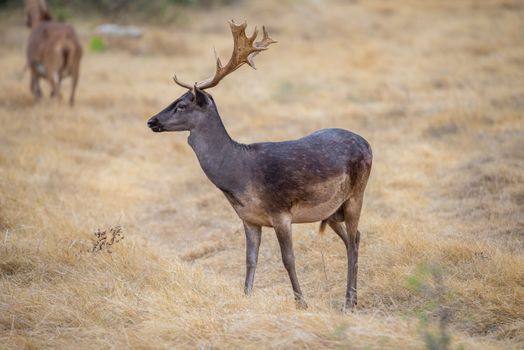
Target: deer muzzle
x,y
155,125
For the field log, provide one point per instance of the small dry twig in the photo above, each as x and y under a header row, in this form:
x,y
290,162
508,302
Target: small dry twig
x,y
105,239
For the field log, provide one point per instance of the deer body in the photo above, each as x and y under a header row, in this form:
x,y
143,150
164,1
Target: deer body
x,y
53,50
307,179
320,177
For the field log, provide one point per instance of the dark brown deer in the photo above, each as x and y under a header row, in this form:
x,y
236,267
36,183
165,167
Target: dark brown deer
x,y
53,51
320,177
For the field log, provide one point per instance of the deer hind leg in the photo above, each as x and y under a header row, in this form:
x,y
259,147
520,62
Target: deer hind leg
x,y
253,237
74,75
340,231
334,221
352,209
283,231
54,80
35,85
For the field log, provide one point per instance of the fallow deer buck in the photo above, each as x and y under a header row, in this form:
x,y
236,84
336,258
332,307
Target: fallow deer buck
x,y
53,51
320,177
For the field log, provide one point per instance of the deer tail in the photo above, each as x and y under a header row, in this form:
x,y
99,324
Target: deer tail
x,y
322,227
66,52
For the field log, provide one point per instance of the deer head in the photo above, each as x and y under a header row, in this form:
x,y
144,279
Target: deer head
x,y
195,107
189,111
36,11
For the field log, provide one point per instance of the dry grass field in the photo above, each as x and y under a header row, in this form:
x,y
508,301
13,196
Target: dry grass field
x,y
436,87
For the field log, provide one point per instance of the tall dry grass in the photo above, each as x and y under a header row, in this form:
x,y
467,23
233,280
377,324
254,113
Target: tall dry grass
x,y
436,87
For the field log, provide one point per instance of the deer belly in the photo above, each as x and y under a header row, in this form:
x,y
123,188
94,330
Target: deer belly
x,y
324,199
318,202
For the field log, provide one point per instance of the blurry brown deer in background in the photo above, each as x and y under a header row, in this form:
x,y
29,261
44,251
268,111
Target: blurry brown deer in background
x,y
320,177
53,51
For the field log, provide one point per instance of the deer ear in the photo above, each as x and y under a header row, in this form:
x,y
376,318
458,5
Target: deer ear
x,y
44,12
200,97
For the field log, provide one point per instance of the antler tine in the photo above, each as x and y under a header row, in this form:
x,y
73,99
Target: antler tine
x,y
253,36
262,44
244,50
187,86
266,39
218,62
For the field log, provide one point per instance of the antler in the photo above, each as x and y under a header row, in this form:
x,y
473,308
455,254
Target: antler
x,y
244,51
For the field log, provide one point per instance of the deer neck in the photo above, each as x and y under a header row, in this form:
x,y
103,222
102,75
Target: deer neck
x,y
217,154
35,21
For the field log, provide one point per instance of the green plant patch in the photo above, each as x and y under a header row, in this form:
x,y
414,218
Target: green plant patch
x,y
97,44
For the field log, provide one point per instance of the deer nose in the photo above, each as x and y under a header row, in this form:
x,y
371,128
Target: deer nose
x,y
152,122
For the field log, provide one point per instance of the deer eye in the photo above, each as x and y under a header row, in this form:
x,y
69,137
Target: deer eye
x,y
181,107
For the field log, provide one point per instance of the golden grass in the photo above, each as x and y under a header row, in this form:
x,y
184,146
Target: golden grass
x,y
436,87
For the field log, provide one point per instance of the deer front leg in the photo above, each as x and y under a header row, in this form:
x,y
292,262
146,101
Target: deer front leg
x,y
253,237
283,231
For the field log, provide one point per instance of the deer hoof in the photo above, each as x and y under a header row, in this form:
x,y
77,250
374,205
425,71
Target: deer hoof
x,y
347,309
349,305
301,304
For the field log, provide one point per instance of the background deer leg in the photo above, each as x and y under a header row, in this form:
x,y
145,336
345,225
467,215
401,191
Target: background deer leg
x,y
58,86
35,85
74,76
283,231
351,216
53,86
253,237
54,80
